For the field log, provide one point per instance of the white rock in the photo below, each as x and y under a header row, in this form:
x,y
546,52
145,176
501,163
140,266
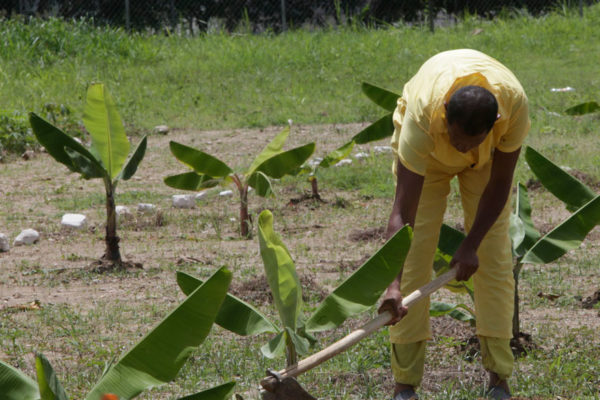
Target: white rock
x,y
184,201
77,221
315,161
226,193
200,195
4,245
122,211
361,155
382,149
161,129
345,161
146,208
27,236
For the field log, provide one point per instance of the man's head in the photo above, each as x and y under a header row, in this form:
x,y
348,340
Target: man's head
x,y
470,114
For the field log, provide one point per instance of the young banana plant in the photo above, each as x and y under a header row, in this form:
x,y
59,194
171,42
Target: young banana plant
x,y
154,361
107,158
209,171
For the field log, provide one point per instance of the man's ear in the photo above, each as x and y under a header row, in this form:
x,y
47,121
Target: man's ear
x,y
446,105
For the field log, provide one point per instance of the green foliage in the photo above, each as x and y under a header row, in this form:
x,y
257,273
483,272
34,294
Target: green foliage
x,y
15,133
583,108
272,163
154,361
383,127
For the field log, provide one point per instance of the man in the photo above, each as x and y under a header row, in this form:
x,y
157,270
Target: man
x,y
463,114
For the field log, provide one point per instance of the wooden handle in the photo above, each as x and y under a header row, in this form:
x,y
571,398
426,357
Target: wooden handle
x,y
355,336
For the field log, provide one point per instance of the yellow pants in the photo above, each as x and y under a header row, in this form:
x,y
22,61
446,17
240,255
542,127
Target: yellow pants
x,y
493,281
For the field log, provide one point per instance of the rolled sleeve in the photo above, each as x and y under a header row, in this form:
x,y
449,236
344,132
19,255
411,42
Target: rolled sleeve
x,y
411,144
518,128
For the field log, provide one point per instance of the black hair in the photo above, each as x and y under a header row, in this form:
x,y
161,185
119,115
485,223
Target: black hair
x,y
474,108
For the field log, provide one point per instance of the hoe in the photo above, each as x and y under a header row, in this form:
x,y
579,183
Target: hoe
x,y
282,385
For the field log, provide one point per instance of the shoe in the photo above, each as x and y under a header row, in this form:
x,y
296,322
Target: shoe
x,y
498,393
408,394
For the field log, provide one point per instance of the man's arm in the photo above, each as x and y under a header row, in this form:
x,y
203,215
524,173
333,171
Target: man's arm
x,y
404,211
491,204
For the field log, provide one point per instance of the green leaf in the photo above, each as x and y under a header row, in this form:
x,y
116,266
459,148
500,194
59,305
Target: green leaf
x,y
363,288
64,148
15,385
159,356
136,158
450,239
285,162
382,97
102,121
50,387
221,392
261,183
380,129
338,154
437,309
191,181
276,346
516,230
300,344
448,242
273,148
235,314
583,108
523,212
199,161
566,236
280,271
563,185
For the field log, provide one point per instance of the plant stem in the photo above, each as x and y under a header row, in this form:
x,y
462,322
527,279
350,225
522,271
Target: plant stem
x,y
315,187
244,216
290,355
516,323
112,240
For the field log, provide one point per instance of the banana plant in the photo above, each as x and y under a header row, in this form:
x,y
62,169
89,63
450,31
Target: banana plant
x,y
154,361
293,336
583,108
209,171
383,127
313,166
107,158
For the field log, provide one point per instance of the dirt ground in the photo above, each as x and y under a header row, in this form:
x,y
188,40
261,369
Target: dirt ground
x,y
327,241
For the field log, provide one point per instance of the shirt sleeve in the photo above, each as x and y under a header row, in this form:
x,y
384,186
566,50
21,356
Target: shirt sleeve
x,y
517,129
411,143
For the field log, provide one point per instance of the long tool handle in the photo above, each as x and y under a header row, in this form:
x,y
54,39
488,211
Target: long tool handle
x,y
357,335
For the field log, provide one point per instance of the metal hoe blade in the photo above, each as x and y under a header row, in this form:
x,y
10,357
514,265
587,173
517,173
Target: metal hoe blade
x,y
285,389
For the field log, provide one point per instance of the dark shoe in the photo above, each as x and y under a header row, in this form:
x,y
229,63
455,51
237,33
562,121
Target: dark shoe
x,y
408,394
498,393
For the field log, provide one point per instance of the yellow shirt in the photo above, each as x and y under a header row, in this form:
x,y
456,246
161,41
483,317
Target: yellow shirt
x,y
419,119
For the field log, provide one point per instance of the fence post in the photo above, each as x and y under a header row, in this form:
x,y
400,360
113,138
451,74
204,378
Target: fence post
x,y
283,18
431,15
127,18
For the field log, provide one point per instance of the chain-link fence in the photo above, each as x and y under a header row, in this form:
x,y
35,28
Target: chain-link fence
x,y
195,16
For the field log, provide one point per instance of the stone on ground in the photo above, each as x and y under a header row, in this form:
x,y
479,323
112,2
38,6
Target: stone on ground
x,y
77,221
26,237
183,201
146,208
4,245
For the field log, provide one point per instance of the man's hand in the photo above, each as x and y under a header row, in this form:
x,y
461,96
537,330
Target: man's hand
x,y
465,261
392,302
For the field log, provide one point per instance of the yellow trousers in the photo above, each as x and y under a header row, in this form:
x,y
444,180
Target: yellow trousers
x,y
493,281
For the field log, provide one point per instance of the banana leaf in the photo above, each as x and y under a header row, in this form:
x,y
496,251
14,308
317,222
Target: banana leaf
x,y
274,147
362,289
522,212
134,161
221,392
300,344
50,387
380,129
566,236
276,346
102,121
285,162
159,356
280,271
382,97
563,185
66,150
261,183
201,162
235,314
448,242
459,312
15,385
336,155
191,181
583,108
